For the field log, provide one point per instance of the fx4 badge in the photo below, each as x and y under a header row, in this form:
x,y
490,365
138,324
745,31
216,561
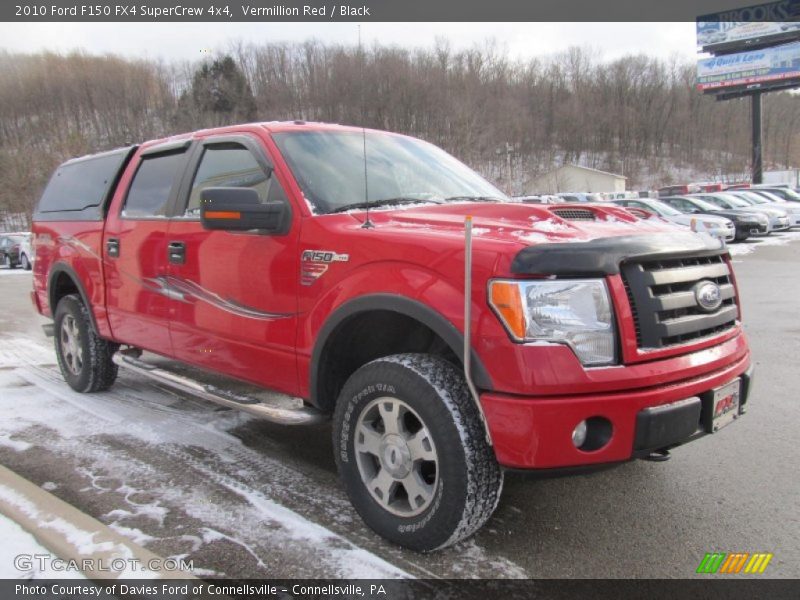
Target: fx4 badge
x,y
314,264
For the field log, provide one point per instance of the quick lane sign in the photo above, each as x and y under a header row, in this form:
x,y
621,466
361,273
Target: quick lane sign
x,y
769,65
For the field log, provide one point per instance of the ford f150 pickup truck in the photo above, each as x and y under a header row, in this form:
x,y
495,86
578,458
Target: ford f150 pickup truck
x,y
372,278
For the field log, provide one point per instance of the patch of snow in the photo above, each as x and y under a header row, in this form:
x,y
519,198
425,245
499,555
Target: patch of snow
x,y
17,541
530,237
550,225
312,209
146,414
18,445
503,568
49,486
776,239
4,271
137,536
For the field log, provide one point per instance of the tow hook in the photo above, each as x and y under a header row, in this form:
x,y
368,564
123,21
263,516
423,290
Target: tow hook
x,y
660,455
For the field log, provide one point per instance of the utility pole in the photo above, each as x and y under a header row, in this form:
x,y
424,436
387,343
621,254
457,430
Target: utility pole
x,y
758,167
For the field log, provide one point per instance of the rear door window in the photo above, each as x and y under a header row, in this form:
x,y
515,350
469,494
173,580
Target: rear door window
x,y
152,185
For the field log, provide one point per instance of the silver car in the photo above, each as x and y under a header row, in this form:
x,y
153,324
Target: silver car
x,y
719,227
778,218
758,197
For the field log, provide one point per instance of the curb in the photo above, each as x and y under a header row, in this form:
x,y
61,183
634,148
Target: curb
x,y
72,535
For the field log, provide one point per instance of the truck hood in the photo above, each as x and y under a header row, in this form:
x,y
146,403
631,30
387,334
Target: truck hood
x,y
522,224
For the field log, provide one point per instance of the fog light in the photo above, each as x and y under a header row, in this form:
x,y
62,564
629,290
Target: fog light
x,y
579,434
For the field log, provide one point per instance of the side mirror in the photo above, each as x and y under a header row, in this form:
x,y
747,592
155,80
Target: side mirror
x,y
240,209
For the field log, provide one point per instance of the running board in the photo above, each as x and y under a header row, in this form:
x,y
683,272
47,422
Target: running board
x,y
301,415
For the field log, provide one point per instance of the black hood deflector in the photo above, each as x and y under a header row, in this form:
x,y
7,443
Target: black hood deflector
x,y
603,256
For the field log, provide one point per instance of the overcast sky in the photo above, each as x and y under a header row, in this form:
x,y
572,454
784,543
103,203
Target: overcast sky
x,y
189,40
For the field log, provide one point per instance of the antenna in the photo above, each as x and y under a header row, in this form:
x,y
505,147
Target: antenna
x,y
367,223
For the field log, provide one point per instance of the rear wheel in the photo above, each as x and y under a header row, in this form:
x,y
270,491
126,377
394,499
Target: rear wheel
x,y
84,358
8,262
412,453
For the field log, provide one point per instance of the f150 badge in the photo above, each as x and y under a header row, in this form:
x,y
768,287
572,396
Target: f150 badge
x,y
314,264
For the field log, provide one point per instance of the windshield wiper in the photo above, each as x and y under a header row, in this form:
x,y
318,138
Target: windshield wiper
x,y
384,202
473,199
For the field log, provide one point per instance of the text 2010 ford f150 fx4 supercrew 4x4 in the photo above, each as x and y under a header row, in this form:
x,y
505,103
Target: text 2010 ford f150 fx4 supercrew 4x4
x,y
248,251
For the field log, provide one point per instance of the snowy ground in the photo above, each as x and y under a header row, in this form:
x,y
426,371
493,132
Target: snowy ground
x,y
17,541
239,497
775,239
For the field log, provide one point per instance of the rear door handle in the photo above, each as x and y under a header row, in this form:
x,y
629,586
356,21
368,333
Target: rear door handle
x,y
112,247
176,253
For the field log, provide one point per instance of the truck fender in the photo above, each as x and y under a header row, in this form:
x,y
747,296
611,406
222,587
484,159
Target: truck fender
x,y
405,306
57,270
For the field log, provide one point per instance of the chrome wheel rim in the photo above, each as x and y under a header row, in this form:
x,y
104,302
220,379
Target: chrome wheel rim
x,y
396,456
71,347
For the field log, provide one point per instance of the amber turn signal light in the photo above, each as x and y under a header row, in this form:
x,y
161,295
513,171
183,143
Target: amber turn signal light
x,y
507,301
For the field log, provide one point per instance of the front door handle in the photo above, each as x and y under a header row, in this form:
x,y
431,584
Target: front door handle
x,y
112,247
176,253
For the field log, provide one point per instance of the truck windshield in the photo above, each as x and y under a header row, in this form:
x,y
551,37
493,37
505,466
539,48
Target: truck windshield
x,y
329,166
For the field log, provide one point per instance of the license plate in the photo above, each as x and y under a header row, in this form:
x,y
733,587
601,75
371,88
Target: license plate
x,y
726,405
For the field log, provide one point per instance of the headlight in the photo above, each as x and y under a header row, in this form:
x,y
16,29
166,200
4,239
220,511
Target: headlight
x,y
576,312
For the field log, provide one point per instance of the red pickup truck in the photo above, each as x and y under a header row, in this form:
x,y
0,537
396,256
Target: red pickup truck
x,y
328,265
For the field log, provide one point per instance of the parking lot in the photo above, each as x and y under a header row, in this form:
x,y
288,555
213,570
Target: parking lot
x,y
244,498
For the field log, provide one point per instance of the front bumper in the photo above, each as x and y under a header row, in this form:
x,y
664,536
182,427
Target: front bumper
x,y
781,224
536,432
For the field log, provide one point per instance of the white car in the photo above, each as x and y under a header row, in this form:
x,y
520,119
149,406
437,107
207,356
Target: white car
x,y
719,227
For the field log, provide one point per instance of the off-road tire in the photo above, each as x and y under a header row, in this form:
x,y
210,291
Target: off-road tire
x,y
469,481
26,264
98,372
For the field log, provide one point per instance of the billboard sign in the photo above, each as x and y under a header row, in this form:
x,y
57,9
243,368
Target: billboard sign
x,y
749,27
778,66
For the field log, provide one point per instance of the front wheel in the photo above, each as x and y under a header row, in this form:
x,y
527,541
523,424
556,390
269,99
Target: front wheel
x,y
412,453
84,358
26,264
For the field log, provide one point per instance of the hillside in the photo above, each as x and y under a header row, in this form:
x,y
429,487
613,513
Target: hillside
x,y
511,119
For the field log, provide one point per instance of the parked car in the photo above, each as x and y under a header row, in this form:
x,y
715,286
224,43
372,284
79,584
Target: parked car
x,y
11,246
252,252
26,254
580,197
779,219
719,227
785,193
540,199
757,197
746,223
678,190
628,195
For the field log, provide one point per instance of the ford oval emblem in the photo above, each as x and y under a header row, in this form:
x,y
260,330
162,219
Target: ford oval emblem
x,y
708,295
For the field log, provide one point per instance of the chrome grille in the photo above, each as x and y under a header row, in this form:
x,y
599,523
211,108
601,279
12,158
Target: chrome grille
x,y
665,309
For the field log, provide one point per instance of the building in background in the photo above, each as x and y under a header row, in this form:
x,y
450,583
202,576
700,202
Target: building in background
x,y
574,178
